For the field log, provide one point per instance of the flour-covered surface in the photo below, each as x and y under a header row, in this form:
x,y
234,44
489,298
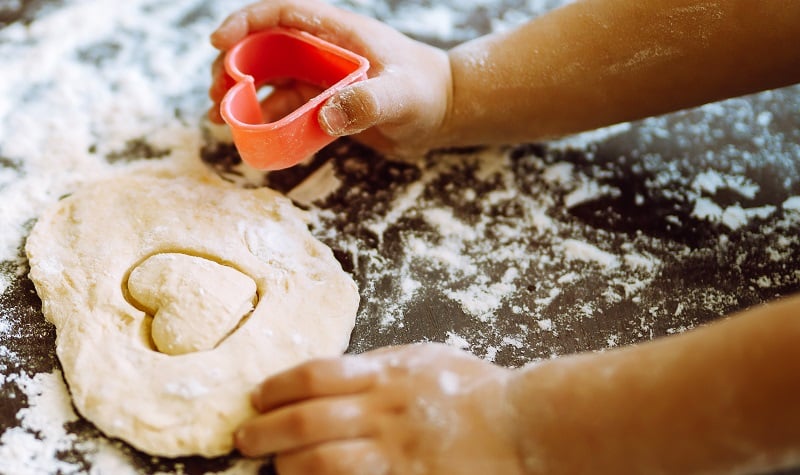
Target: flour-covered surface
x,y
516,254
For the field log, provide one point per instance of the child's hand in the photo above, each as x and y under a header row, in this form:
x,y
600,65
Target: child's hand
x,y
399,109
423,409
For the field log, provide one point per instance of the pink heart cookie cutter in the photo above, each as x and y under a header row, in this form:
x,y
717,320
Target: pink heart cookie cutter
x,y
281,53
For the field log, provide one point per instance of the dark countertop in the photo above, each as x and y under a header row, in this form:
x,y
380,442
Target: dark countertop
x,y
515,253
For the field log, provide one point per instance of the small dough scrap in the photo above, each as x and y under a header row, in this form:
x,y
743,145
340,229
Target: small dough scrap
x,y
83,252
194,302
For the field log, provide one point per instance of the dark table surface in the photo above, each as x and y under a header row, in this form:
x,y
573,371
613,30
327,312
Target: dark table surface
x,y
514,253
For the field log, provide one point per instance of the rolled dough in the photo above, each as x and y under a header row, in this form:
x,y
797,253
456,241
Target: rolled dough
x,y
189,252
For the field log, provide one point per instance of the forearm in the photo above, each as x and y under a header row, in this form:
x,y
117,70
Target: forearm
x,y
720,399
598,62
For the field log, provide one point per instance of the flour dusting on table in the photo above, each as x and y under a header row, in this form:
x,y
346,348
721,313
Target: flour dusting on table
x,y
513,253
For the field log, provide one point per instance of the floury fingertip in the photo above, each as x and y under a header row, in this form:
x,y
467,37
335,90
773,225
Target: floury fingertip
x,y
333,119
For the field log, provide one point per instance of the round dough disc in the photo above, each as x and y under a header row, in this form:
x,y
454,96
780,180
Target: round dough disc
x,y
81,253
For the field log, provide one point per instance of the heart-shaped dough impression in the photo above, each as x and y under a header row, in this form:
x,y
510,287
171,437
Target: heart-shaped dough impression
x,y
115,266
195,302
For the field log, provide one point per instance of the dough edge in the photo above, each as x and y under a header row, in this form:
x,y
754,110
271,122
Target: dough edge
x,y
144,397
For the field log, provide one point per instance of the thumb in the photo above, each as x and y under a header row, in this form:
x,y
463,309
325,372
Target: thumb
x,y
233,29
362,105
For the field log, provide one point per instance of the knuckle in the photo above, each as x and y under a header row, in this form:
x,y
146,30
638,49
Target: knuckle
x,y
312,461
321,461
310,378
300,424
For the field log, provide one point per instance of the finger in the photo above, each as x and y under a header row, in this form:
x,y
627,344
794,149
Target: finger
x,y
301,425
216,92
286,97
232,29
219,80
318,18
214,115
365,104
316,378
284,100
350,457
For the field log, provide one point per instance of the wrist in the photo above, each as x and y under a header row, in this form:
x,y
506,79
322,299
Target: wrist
x,y
462,120
447,128
533,394
494,98
574,415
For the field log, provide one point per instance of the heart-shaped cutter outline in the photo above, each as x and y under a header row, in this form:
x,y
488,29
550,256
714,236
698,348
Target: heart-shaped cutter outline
x,y
281,53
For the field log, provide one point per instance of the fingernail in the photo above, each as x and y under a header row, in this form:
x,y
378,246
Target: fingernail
x,y
333,119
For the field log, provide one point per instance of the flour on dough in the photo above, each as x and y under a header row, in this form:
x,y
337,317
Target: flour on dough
x,y
194,301
173,297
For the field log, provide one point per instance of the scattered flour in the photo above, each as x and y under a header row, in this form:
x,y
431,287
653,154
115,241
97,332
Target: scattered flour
x,y
496,229
321,183
5,281
733,217
456,340
89,89
186,389
711,181
32,448
792,204
588,191
583,251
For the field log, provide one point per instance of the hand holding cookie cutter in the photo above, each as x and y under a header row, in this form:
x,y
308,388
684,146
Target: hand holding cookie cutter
x,y
281,53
